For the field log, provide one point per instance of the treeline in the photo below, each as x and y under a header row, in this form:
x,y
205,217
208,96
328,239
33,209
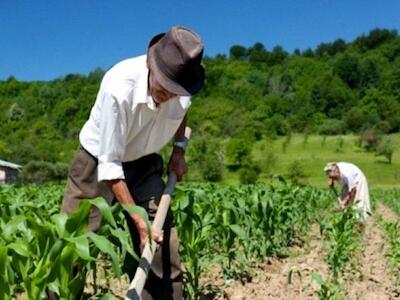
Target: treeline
x,y
337,87
250,93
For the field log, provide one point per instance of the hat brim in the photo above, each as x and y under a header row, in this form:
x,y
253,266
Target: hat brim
x,y
190,85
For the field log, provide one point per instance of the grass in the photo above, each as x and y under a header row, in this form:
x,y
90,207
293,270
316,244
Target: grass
x,y
315,151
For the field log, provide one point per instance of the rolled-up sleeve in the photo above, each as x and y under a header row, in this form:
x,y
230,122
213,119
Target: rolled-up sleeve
x,y
113,126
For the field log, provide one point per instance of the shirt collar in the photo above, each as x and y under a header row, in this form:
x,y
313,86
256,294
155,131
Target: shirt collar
x,y
142,90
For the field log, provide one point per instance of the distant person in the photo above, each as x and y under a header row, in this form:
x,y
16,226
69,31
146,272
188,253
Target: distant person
x,y
141,105
354,186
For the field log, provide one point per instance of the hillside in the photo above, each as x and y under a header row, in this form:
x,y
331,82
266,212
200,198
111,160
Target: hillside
x,y
251,94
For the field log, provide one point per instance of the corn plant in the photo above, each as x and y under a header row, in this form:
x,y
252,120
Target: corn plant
x,y
194,233
329,289
344,240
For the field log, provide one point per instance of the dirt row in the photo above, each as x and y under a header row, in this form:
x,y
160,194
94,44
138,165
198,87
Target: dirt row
x,y
375,281
288,278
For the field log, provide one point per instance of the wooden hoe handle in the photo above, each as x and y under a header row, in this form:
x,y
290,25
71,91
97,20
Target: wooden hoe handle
x,y
137,284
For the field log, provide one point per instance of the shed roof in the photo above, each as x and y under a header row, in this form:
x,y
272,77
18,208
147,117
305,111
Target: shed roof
x,y
7,164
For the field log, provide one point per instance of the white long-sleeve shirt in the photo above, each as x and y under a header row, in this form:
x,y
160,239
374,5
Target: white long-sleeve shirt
x,y
124,123
352,177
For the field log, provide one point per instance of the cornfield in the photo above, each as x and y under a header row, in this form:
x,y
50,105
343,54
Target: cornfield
x,y
233,227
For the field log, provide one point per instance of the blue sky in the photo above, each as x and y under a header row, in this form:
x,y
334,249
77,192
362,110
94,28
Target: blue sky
x,y
43,40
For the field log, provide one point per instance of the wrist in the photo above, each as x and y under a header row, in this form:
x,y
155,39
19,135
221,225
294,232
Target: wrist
x,y
137,219
177,151
180,144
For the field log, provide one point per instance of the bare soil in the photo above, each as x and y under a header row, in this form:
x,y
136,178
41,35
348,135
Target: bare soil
x,y
288,278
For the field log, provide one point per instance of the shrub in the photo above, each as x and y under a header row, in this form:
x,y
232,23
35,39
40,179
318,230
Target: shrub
x,y
249,173
370,139
332,127
43,171
339,144
237,152
269,162
286,142
212,165
296,172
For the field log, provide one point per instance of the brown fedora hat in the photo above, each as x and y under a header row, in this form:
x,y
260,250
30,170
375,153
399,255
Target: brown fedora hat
x,y
175,58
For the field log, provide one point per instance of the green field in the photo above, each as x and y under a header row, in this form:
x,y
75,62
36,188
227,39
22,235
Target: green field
x,y
314,153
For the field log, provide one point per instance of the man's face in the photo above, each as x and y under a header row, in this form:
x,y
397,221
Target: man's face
x,y
159,93
335,173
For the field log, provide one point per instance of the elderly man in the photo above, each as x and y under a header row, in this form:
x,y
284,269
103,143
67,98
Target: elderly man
x,y
354,186
140,107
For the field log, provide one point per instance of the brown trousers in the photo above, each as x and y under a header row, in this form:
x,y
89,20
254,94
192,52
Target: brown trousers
x,y
143,177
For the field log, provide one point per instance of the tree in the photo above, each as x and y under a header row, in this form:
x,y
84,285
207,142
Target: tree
x,y
348,69
278,55
369,74
331,49
375,38
212,165
238,52
258,54
385,148
237,152
330,96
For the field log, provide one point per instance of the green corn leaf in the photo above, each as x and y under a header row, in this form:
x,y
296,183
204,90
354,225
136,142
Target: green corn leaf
x,y
81,244
60,221
137,210
77,222
15,224
107,296
3,262
125,240
105,210
107,247
237,230
317,278
5,284
20,248
66,266
183,201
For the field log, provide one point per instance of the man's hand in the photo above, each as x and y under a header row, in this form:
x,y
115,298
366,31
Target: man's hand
x,y
177,163
331,182
121,192
342,204
141,227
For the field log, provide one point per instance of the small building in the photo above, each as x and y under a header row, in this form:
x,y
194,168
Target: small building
x,y
8,172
